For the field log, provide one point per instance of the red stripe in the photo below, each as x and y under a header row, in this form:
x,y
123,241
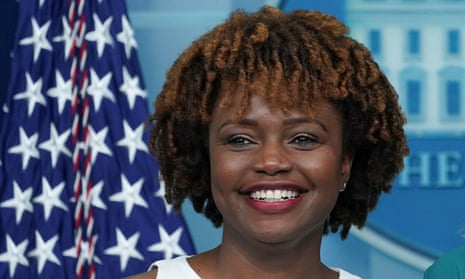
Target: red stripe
x,y
82,21
77,191
92,270
85,75
87,163
72,16
78,218
86,128
73,48
91,241
76,162
74,75
79,273
90,217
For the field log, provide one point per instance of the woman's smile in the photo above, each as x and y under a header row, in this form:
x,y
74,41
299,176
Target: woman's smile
x,y
274,197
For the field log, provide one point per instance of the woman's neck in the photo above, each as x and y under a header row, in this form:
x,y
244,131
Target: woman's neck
x,y
245,258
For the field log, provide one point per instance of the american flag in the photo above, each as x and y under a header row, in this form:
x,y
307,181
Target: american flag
x,y
80,195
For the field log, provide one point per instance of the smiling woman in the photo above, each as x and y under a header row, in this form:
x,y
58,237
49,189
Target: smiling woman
x,y
281,128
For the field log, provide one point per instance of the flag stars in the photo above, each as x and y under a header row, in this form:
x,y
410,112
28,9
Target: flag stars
x,y
14,254
27,147
126,36
97,143
86,252
101,34
131,88
92,197
125,248
56,144
169,244
21,201
44,251
133,140
38,38
66,37
98,88
32,95
130,195
50,198
62,91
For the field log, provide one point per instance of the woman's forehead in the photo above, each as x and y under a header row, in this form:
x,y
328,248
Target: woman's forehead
x,y
281,96
238,98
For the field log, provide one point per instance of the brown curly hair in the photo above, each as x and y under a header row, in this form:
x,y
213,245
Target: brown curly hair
x,y
310,54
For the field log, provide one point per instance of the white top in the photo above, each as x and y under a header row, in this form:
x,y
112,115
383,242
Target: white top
x,y
180,268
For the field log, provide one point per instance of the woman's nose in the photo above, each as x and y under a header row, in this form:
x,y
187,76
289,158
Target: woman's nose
x,y
272,159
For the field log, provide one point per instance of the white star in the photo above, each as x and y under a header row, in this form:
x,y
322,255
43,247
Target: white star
x,y
67,37
5,108
56,144
169,244
38,38
97,143
32,95
44,251
98,88
101,34
126,36
133,140
125,248
62,91
130,195
26,147
92,197
51,197
162,192
131,87
85,254
21,201
14,255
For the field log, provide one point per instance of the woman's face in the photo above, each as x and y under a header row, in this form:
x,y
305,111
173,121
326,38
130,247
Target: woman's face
x,y
275,177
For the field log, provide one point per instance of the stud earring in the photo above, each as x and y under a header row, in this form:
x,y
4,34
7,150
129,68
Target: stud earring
x,y
343,187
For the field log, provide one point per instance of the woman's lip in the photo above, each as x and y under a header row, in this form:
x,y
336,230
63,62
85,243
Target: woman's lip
x,y
274,207
273,186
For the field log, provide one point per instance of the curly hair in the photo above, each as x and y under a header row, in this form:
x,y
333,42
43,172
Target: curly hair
x,y
311,54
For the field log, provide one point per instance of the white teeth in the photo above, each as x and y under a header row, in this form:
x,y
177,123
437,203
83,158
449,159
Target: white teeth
x,y
274,195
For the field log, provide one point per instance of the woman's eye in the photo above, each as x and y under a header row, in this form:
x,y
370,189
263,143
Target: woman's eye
x,y
303,140
239,141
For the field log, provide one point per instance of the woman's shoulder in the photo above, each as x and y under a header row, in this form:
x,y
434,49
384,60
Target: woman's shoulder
x,y
168,268
345,274
175,268
151,274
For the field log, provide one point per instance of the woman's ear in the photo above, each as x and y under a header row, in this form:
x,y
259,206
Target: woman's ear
x,y
347,159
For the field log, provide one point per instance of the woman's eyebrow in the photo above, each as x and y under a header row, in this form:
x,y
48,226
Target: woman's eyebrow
x,y
242,121
299,120
287,121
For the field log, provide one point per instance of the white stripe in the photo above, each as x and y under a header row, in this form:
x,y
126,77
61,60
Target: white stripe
x,y
71,10
81,7
392,248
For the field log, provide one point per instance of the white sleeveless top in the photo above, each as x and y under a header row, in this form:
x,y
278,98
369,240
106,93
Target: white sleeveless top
x,y
180,268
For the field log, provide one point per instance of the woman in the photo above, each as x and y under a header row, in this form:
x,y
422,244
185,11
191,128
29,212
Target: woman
x,y
281,128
